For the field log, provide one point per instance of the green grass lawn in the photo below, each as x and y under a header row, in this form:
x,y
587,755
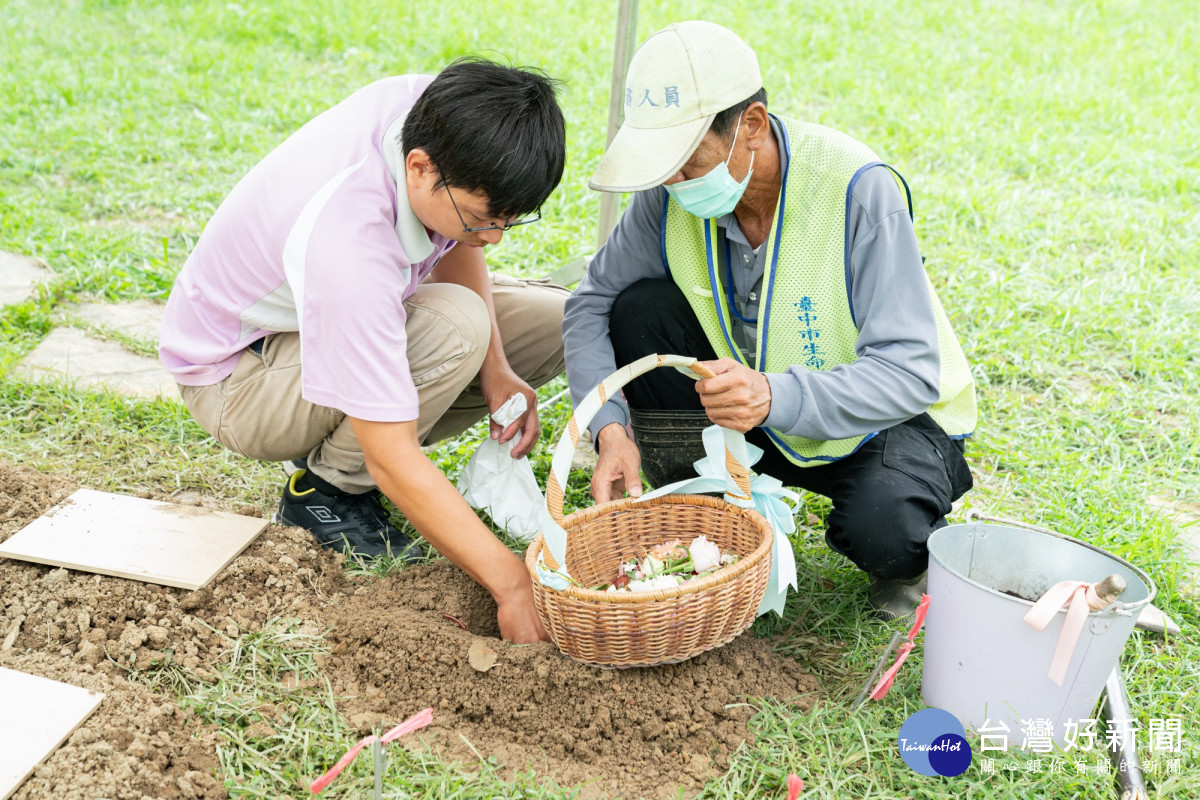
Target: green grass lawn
x,y
1053,149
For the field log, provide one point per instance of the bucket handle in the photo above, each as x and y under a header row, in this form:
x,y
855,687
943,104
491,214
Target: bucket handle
x,y
1115,608
975,514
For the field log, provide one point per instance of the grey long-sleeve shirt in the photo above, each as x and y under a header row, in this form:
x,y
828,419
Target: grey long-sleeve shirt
x,y
896,373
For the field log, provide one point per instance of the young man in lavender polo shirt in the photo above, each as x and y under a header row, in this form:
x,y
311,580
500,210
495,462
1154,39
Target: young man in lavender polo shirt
x,y
338,309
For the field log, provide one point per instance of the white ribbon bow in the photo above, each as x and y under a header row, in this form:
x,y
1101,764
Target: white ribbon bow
x,y
766,497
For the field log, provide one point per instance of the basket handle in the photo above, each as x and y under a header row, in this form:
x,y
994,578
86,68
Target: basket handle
x,y
560,466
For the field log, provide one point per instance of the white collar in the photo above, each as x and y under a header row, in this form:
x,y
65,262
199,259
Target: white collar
x,y
413,237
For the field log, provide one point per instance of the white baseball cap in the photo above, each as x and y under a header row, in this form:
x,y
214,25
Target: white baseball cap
x,y
678,80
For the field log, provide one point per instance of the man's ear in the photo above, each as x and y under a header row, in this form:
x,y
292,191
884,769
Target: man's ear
x,y
419,170
758,124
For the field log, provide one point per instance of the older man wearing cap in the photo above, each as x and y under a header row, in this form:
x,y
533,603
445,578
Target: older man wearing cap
x,y
782,252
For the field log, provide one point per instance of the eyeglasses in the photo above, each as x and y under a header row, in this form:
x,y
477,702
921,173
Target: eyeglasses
x,y
512,223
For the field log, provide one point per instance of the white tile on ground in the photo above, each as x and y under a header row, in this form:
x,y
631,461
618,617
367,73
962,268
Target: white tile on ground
x,y
88,362
145,540
140,319
19,277
36,716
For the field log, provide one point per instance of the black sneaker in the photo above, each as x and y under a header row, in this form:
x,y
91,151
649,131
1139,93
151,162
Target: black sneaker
x,y
355,522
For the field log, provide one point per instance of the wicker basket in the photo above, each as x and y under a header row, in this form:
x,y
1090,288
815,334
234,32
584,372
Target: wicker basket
x,y
642,629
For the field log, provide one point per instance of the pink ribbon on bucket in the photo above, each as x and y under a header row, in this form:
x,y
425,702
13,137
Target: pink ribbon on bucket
x,y
1079,597
885,681
415,722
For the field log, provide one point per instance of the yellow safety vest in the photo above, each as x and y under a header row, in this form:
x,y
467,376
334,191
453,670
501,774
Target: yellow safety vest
x,y
805,316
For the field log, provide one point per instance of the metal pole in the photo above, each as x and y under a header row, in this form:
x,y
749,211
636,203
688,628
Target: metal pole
x,y
879,665
622,54
1123,752
380,766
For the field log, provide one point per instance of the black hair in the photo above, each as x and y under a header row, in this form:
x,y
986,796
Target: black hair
x,y
723,122
493,129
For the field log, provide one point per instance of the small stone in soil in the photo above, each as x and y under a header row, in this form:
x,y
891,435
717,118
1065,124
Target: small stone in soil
x,y
480,656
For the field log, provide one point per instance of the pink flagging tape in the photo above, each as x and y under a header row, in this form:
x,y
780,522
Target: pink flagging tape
x,y
885,680
795,786
415,722
1074,595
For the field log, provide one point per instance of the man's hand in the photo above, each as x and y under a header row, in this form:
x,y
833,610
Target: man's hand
x,y
738,397
499,384
438,512
617,467
518,618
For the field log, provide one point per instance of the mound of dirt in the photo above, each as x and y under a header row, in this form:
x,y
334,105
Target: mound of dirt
x,y
627,733
93,618
87,629
137,744
397,647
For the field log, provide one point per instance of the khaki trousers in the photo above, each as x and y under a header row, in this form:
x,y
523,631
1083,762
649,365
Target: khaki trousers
x,y
258,411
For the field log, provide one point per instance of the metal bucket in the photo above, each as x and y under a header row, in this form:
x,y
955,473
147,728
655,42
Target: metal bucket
x,y
986,665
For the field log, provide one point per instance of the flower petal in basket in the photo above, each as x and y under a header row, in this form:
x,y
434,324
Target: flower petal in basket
x,y
766,496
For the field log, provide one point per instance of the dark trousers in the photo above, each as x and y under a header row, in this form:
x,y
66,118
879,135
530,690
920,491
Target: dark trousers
x,y
888,495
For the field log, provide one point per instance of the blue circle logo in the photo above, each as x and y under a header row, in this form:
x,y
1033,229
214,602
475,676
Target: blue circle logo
x,y
932,742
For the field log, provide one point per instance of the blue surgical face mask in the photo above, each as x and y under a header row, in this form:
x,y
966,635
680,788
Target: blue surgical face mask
x,y
715,194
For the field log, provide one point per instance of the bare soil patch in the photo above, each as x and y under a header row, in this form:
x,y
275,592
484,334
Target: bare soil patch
x,y
626,733
394,650
138,744
89,630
